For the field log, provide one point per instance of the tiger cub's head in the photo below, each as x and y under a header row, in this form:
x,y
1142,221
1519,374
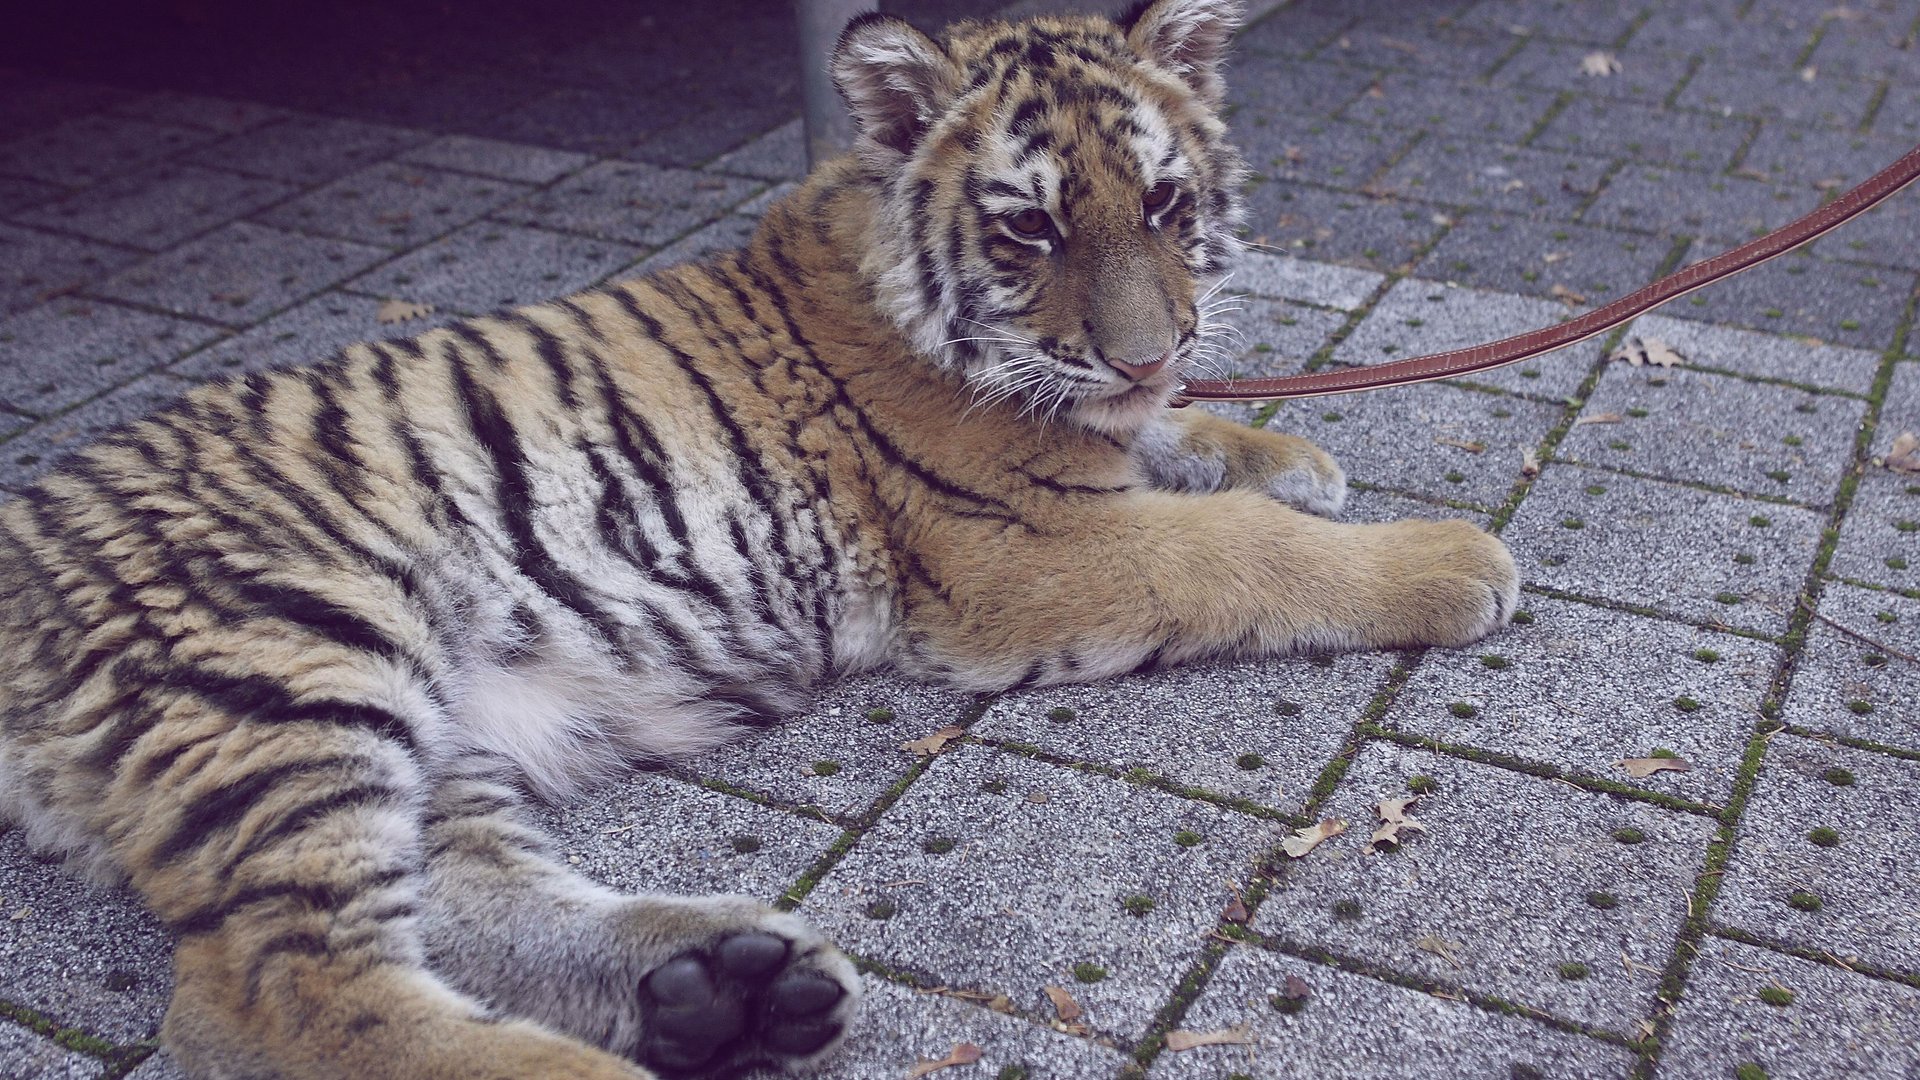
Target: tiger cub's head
x,y
1057,197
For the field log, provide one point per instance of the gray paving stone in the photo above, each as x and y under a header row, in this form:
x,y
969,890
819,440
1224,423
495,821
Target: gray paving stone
x,y
491,157
1671,548
1833,302
11,422
587,121
1715,31
1646,75
1277,87
780,154
69,350
1828,99
1540,183
489,265
1264,273
1574,20
757,206
1712,429
1440,441
1837,1023
1441,47
1899,114
1364,504
698,135
25,1055
1725,348
1197,725
81,956
729,233
1449,1040
1583,687
1880,539
158,1067
223,115
1503,877
1453,107
1657,136
1418,316
1810,155
240,273
899,1028
843,752
394,204
1292,33
1724,209
1276,338
309,149
1882,236
37,266
1865,886
17,194
1519,255
1338,226
1865,48
631,202
1283,146
1035,882
157,208
304,334
92,148
1839,673
648,833
38,448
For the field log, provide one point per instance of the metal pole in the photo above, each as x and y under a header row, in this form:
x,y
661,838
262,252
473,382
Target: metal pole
x,y
829,132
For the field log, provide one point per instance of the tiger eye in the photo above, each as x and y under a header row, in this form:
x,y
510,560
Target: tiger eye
x,y
1030,223
1158,196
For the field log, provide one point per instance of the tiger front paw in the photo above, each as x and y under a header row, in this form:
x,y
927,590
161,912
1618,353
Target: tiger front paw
x,y
1454,584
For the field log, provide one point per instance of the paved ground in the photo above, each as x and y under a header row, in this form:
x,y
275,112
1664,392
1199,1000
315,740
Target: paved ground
x,y
1717,567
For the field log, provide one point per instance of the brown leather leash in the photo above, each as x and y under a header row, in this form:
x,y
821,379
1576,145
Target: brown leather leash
x,y
1477,358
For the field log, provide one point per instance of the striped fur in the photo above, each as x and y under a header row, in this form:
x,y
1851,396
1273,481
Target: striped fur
x,y
289,656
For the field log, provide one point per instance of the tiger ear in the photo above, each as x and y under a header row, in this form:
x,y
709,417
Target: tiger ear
x,y
1187,37
897,80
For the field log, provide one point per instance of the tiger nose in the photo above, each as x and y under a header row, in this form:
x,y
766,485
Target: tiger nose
x,y
1137,372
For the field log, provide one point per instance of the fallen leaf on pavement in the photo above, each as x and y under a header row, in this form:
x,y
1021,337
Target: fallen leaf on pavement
x,y
1552,257
1442,948
1529,463
1641,767
933,743
1236,912
963,1054
1462,444
1905,455
1305,840
1237,1035
1600,418
1566,296
1640,352
1809,73
1064,1004
1295,988
1748,172
1829,184
1393,818
1598,65
399,311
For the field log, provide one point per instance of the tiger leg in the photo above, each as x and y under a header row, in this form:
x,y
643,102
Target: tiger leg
x,y
286,857
709,984
1192,450
1144,577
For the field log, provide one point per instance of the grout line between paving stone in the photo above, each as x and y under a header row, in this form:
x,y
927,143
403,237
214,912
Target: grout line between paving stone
x,y
1625,607
1818,956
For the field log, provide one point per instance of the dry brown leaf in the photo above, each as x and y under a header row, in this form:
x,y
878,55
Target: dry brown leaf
x,y
1640,352
1809,73
1237,1035
399,311
1295,988
1905,455
1641,767
1376,91
1440,947
1462,444
1599,65
963,1054
1236,912
1515,184
1552,257
1600,418
935,742
1529,463
1566,296
1830,183
1294,154
1305,840
1748,172
1063,1003
1393,818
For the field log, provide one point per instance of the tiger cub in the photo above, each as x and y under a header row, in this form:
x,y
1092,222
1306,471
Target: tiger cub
x,y
291,656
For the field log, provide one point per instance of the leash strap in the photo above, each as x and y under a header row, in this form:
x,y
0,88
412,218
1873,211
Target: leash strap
x,y
1477,358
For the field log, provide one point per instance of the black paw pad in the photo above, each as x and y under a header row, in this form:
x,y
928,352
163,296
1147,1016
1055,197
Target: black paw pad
x,y
737,1006
752,956
803,993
